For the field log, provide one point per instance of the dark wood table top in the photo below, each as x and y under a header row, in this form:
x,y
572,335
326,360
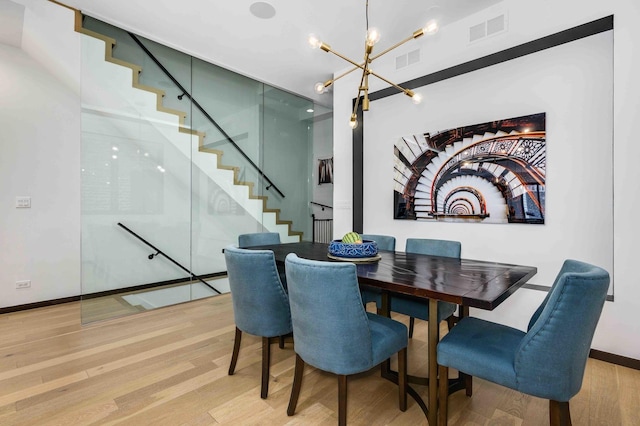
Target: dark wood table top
x,y
466,282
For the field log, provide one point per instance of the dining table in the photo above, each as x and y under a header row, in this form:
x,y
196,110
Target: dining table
x,y
466,282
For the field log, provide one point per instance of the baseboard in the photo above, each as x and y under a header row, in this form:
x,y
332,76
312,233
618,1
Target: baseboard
x,y
35,305
60,301
615,359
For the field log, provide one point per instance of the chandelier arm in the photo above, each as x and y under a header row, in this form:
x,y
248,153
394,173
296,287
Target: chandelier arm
x,y
402,89
365,70
362,86
355,106
351,61
400,43
344,74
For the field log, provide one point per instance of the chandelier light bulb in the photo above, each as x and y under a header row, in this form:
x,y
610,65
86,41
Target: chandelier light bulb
x,y
416,98
314,41
431,27
319,88
353,123
373,36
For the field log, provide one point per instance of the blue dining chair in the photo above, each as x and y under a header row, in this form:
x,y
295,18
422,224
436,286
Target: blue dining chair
x,y
260,303
384,242
419,308
258,239
332,330
547,361
263,239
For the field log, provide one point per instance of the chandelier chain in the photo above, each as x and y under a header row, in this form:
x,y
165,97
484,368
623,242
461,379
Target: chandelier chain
x,y
367,14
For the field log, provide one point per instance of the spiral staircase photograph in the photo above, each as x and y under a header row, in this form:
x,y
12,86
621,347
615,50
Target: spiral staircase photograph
x,y
494,177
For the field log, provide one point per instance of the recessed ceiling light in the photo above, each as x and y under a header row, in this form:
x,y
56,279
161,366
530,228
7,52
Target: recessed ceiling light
x,y
310,110
262,10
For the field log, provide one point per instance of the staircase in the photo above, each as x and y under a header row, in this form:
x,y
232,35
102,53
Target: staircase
x,y
113,96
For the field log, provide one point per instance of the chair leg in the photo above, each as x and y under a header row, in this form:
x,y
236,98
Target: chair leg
x,y
559,414
297,384
342,400
412,321
451,321
281,342
402,378
236,350
266,361
443,394
468,383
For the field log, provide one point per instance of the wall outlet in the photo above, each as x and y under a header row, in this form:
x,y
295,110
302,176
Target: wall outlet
x,y
23,202
23,284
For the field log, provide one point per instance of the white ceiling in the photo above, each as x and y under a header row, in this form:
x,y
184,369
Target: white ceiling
x,y
11,16
274,50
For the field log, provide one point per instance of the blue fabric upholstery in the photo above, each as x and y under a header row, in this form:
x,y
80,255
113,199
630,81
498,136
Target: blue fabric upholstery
x,y
331,328
547,361
444,248
493,354
258,239
419,308
387,243
260,303
263,239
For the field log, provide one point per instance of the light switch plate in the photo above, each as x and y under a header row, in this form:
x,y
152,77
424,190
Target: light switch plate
x,y
23,202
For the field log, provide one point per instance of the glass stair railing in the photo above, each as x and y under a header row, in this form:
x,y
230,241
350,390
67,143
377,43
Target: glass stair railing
x,y
186,153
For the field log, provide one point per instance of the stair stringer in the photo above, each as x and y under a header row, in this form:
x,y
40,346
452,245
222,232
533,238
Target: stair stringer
x,y
211,161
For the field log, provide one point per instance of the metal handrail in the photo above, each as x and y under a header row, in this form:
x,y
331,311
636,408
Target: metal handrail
x,y
321,205
206,114
158,252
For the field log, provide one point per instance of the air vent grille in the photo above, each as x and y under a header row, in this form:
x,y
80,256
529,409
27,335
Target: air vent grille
x,y
487,28
478,31
495,25
407,59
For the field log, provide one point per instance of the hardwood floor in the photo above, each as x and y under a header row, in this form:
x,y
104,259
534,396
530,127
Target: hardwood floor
x,y
169,367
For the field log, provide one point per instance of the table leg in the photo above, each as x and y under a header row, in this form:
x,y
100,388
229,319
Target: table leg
x,y
385,367
434,336
385,309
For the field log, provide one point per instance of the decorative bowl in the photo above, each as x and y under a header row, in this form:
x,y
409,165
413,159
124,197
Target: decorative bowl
x,y
367,248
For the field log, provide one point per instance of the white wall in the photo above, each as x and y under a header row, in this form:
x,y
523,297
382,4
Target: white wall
x,y
572,84
618,330
42,160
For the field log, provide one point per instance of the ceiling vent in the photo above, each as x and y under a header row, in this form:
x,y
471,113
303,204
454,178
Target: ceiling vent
x,y
407,59
488,28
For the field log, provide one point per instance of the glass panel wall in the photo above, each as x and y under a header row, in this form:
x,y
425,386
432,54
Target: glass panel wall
x,y
177,154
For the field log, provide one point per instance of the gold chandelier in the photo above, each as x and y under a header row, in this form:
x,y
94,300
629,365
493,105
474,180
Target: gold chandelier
x,y
372,37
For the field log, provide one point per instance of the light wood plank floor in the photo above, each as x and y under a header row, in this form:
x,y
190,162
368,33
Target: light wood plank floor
x,y
169,367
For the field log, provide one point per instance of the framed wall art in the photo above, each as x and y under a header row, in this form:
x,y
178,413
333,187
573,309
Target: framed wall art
x,y
325,171
492,172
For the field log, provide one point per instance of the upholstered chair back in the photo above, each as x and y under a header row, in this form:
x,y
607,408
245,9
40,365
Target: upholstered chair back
x,y
260,303
551,358
385,242
258,239
327,312
431,247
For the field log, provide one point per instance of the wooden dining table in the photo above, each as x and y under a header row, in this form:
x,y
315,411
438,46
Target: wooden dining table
x,y
465,282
